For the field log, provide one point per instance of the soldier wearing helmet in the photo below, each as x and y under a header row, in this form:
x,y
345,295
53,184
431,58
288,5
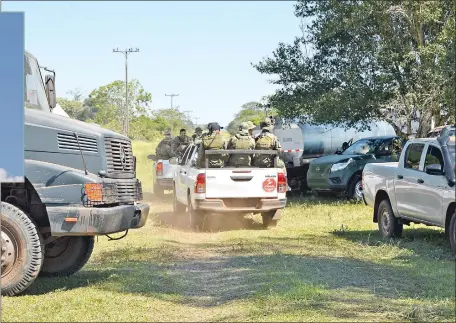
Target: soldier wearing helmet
x,y
163,150
251,126
196,137
242,141
213,140
266,140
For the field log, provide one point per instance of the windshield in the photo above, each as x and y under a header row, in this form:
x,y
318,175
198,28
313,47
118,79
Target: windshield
x,y
365,146
34,94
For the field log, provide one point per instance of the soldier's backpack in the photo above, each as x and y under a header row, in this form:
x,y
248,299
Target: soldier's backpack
x,y
264,142
241,143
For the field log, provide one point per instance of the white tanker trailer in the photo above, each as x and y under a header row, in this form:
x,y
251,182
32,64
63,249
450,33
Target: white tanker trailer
x,y
302,142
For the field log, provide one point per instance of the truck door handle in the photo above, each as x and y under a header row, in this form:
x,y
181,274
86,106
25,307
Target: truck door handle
x,y
420,181
400,176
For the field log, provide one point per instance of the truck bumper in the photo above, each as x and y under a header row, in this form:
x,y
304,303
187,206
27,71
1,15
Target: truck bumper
x,y
91,221
247,206
165,182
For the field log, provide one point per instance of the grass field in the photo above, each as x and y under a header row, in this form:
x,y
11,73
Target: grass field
x,y
324,262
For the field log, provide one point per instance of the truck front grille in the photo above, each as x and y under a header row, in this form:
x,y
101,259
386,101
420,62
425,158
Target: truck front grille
x,y
127,192
119,156
70,142
117,193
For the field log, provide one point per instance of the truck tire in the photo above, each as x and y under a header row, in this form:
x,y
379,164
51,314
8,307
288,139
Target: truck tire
x,y
22,253
159,191
355,188
66,256
178,207
452,233
195,217
388,224
268,222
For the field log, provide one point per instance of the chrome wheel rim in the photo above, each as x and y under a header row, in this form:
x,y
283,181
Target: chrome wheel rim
x,y
9,252
359,190
385,220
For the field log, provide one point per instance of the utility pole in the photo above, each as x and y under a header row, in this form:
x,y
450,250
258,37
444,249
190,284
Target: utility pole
x,y
172,97
127,111
196,121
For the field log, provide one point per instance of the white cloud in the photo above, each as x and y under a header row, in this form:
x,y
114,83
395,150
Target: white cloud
x,y
9,179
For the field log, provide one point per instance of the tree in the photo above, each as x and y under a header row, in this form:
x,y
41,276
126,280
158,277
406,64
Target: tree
x,y
74,108
251,111
369,57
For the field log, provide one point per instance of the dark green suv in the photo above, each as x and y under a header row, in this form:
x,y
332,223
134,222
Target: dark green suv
x,y
342,173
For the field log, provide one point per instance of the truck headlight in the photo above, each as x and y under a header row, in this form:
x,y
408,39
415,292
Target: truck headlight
x,y
340,166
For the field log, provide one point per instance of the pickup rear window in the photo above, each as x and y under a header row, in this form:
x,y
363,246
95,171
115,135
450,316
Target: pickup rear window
x,y
413,156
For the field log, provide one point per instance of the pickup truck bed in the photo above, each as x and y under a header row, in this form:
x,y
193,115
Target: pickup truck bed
x,y
228,190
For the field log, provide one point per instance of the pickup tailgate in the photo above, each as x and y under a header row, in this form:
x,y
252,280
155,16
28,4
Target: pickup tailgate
x,y
168,169
241,183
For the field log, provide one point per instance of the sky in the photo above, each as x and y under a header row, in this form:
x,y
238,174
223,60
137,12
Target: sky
x,y
12,98
199,50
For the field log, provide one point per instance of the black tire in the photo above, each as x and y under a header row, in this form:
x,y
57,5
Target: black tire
x,y
178,207
66,256
355,188
159,191
268,222
195,217
21,249
388,224
452,233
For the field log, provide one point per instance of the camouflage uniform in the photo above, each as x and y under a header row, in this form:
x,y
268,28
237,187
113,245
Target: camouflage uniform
x,y
242,141
179,144
197,136
266,141
213,140
163,150
251,126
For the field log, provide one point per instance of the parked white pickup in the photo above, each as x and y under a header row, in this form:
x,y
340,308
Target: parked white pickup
x,y
228,190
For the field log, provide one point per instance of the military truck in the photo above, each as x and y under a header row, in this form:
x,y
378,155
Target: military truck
x,y
80,182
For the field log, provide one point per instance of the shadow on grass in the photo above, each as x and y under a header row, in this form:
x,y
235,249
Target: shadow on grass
x,y
426,243
209,281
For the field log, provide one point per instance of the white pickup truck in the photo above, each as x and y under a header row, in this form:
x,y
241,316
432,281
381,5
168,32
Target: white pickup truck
x,y
420,188
228,190
163,175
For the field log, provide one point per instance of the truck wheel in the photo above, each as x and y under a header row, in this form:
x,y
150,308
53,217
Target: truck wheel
x,y
66,256
195,217
159,191
178,207
388,224
22,253
267,219
355,188
452,233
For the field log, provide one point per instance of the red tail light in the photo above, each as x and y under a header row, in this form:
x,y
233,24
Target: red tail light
x,y
159,169
281,183
200,186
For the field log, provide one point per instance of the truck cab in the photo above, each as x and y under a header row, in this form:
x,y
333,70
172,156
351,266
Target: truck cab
x,y
419,188
80,181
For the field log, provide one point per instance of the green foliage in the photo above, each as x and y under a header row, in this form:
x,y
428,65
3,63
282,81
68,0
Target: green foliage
x,y
105,106
367,55
251,111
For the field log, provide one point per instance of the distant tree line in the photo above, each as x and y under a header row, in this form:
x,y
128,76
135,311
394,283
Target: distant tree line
x,y
105,106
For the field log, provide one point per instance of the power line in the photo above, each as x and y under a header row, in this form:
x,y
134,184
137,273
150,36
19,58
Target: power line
x,y
172,97
126,121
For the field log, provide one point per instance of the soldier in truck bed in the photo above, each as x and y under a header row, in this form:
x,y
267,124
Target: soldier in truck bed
x,y
180,142
266,141
242,141
213,140
163,150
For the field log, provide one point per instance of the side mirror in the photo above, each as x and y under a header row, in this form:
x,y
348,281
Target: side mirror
x,y
152,157
174,161
434,169
50,91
